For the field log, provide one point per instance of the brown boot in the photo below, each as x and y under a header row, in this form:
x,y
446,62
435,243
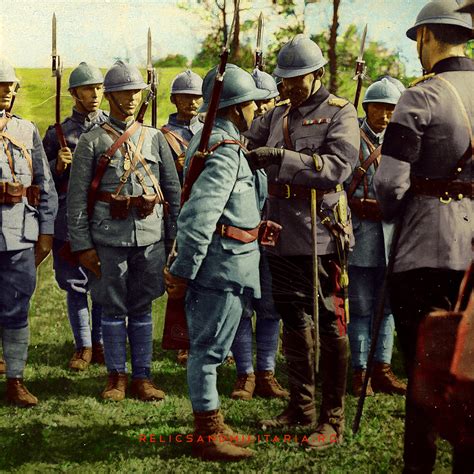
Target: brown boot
x,y
385,381
146,391
244,387
3,367
81,359
334,361
267,386
98,353
210,441
116,387
236,438
182,357
301,410
18,394
358,376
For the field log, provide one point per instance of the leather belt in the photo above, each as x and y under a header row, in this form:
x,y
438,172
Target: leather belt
x,y
242,235
12,193
443,189
297,191
134,200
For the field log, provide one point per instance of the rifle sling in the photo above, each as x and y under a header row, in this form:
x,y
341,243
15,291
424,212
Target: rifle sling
x,y
174,140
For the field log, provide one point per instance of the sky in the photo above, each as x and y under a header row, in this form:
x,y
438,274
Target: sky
x,y
98,31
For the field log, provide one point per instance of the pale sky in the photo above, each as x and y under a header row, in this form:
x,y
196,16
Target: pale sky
x,y
97,31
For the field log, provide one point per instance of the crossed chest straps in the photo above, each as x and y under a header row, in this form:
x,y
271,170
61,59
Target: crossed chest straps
x,y
14,191
177,143
120,205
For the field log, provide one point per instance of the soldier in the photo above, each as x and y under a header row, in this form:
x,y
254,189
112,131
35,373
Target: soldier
x,y
85,86
218,255
425,181
186,95
267,328
28,206
121,217
367,261
311,143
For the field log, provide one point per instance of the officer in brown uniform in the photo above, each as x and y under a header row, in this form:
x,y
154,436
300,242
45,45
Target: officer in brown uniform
x,y
313,143
425,181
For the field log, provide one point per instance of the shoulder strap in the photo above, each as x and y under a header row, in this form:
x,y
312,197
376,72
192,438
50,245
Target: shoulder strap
x,y
226,142
361,171
5,137
174,140
286,130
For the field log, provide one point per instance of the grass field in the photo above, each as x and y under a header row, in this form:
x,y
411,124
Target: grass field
x,y
72,430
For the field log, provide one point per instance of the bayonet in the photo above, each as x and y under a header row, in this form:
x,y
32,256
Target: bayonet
x,y
360,68
151,79
259,50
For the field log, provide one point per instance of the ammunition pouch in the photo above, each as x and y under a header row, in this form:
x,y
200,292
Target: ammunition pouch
x,y
33,194
268,233
146,205
13,193
119,206
367,209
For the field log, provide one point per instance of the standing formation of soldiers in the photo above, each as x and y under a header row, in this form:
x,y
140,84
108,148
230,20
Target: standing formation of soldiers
x,y
396,188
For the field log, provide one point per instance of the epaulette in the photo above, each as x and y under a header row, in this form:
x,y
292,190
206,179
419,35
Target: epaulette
x,y
338,101
421,79
282,102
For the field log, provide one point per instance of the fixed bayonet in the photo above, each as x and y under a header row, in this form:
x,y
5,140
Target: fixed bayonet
x,y
151,79
259,48
360,68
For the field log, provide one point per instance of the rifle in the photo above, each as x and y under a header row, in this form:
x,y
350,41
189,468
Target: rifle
x,y
175,333
150,97
258,50
360,69
57,69
151,79
17,86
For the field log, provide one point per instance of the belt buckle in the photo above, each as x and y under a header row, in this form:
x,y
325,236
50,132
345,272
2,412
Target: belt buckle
x,y
362,170
288,191
223,230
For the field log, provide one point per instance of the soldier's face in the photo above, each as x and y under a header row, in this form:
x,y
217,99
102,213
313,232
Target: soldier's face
x,y
298,89
247,114
187,105
379,115
7,91
125,103
88,98
264,106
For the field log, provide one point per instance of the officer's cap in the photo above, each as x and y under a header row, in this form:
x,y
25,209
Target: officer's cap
x,y
187,82
265,82
123,77
85,75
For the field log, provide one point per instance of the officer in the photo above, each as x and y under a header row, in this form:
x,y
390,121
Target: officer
x,y
186,95
121,215
218,254
311,143
367,261
28,206
267,328
85,86
425,181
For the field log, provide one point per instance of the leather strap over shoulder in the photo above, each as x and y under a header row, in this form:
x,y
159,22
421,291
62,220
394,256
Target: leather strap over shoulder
x,y
174,140
226,142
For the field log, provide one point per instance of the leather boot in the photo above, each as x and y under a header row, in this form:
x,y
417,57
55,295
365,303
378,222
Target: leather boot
x,y
267,386
358,376
244,387
17,394
334,360
210,441
3,367
145,390
385,381
116,387
81,359
98,353
182,357
301,410
236,438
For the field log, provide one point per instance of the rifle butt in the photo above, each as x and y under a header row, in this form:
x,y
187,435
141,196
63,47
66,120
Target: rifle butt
x,y
175,331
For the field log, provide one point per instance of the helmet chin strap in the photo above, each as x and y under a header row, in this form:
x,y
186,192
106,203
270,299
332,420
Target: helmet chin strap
x,y
421,50
242,118
118,105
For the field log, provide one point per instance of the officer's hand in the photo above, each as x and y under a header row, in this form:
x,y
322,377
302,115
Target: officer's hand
x,y
90,260
264,156
63,160
43,247
180,162
175,286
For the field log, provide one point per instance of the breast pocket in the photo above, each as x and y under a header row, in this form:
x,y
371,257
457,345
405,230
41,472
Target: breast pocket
x,y
22,163
114,171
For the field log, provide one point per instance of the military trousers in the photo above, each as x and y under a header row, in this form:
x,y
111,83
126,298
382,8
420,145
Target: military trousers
x,y
213,317
413,294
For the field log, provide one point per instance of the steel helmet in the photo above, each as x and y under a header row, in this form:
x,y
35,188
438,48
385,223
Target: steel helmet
x,y
123,77
382,91
299,56
7,73
265,82
187,82
398,84
85,75
440,12
238,87
468,7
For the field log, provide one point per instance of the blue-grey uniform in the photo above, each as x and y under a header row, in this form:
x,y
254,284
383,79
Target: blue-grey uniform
x,y
70,277
425,180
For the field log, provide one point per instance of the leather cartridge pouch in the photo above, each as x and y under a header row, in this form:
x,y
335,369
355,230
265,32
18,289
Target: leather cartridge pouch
x,y
368,209
13,193
146,205
33,195
268,233
119,206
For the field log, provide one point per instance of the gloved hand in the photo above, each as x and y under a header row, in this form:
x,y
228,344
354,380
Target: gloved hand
x,y
63,159
175,286
43,247
179,163
264,156
90,260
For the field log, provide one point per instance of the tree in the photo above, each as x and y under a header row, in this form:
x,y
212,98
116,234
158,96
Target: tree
x,y
173,60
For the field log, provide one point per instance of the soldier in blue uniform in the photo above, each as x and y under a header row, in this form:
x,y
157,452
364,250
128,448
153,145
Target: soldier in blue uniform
x,y
28,206
425,181
367,260
312,142
121,224
186,95
85,86
262,382
218,254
